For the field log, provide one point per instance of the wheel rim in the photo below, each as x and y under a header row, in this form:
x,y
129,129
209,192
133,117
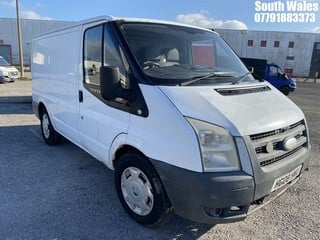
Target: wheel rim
x,y
45,126
137,191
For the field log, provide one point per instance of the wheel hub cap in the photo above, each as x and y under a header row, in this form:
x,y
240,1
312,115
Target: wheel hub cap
x,y
137,191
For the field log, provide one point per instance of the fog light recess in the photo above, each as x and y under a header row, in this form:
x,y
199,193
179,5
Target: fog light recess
x,y
214,212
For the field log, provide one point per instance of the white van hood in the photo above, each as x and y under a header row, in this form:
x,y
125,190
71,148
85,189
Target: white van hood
x,y
247,113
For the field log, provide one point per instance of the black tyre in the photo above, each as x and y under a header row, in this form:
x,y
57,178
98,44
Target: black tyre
x,y
50,136
285,90
140,191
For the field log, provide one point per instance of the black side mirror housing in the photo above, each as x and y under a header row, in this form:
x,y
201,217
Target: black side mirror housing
x,y
109,82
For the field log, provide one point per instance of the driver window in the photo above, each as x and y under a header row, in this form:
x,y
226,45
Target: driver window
x,y
102,47
113,55
92,55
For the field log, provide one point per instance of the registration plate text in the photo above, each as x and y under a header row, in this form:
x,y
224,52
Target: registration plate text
x,y
283,180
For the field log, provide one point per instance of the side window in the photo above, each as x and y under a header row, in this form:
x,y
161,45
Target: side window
x,y
92,55
273,71
113,55
100,46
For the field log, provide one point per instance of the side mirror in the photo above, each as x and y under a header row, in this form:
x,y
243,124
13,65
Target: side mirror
x,y
109,82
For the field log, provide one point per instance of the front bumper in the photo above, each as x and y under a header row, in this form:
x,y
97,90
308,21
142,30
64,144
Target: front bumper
x,y
207,197
5,79
214,198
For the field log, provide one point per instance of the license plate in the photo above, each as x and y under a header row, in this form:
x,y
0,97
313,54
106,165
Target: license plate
x,y
283,180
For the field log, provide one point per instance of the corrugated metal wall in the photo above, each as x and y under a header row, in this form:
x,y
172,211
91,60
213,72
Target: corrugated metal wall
x,y
29,28
297,58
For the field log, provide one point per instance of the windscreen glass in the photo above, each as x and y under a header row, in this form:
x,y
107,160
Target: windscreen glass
x,y
3,62
177,55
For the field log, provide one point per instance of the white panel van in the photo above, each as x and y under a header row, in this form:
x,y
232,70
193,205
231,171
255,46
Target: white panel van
x,y
8,73
174,112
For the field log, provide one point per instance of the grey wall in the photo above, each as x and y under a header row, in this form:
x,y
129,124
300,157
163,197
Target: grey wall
x,y
302,51
29,28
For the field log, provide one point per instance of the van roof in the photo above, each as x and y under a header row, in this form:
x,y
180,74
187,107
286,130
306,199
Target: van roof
x,y
107,18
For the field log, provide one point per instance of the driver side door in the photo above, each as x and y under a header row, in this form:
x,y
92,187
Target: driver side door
x,y
99,121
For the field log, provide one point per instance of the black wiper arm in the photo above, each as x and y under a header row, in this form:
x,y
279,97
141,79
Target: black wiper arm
x,y
240,78
210,75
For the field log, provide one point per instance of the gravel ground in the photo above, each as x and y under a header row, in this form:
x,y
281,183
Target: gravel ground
x,y
62,193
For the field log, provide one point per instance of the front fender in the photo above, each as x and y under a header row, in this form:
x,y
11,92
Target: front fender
x,y
117,142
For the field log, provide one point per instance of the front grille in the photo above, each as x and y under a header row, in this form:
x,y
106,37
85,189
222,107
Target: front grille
x,y
13,73
276,159
270,146
275,132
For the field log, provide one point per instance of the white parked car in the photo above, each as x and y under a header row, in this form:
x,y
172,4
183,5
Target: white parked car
x,y
8,73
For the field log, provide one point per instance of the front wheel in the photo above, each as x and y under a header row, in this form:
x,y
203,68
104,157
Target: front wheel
x,y
140,191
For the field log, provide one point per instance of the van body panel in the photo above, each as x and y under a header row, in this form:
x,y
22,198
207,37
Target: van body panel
x,y
242,114
117,143
57,82
99,125
165,124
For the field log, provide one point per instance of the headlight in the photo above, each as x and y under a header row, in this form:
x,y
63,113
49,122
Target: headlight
x,y
219,152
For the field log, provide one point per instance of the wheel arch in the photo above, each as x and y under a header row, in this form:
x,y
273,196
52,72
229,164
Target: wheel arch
x,y
124,149
41,108
285,89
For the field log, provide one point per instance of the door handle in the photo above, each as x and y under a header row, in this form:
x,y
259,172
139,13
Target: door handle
x,y
80,96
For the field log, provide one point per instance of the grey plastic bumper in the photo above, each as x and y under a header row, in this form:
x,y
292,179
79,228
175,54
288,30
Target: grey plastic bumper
x,y
5,79
207,197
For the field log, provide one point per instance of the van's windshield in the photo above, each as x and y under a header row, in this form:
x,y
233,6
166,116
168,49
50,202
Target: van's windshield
x,y
177,55
3,62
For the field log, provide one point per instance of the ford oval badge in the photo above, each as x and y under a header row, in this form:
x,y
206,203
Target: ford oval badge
x,y
289,143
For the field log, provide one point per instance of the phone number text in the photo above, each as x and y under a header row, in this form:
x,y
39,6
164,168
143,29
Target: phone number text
x,y
266,17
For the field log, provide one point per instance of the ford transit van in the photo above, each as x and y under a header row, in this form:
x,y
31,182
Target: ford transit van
x,y
8,73
174,112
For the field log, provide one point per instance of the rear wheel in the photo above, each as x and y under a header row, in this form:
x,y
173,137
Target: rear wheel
x,y
140,191
285,90
50,136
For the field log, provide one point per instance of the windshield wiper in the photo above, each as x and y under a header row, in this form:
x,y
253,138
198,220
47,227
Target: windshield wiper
x,y
210,75
241,78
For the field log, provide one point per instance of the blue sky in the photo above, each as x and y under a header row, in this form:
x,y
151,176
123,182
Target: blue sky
x,y
237,14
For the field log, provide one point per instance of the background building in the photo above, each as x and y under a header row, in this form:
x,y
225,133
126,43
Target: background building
x,y
9,47
297,53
